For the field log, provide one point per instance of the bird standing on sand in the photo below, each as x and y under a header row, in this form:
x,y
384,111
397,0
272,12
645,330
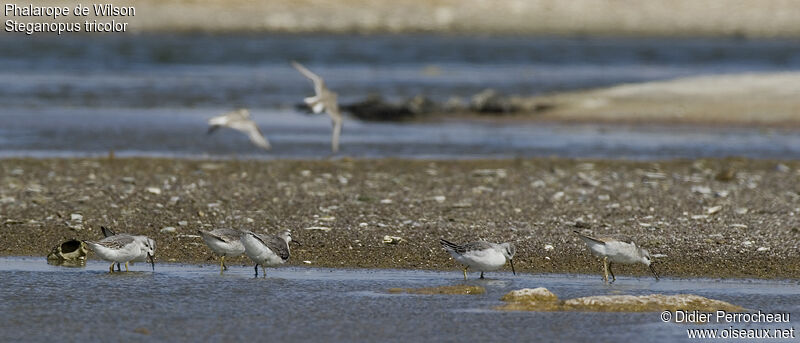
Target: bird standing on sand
x,y
240,120
267,250
619,249
323,101
481,256
223,242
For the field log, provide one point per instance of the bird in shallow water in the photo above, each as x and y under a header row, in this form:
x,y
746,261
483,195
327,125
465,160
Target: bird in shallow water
x,y
481,256
323,101
142,240
224,242
122,249
267,250
617,249
240,120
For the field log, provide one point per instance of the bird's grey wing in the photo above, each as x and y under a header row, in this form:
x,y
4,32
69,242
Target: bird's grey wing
x,y
221,120
240,114
252,131
598,240
319,83
622,238
278,246
107,232
221,235
473,246
332,106
255,135
116,241
228,234
229,118
448,245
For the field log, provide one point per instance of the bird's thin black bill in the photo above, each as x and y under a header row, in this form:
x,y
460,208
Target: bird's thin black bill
x,y
653,270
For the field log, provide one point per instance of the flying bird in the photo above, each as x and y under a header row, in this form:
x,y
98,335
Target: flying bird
x,y
323,101
240,120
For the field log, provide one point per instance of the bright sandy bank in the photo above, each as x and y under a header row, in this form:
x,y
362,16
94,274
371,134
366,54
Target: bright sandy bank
x,y
765,99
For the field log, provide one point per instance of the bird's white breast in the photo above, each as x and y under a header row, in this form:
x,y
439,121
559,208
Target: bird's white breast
x,y
127,253
616,251
259,252
482,260
233,248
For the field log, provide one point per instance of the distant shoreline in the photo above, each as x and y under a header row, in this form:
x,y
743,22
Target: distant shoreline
x,y
765,100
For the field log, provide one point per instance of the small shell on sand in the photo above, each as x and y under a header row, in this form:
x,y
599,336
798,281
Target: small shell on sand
x,y
392,239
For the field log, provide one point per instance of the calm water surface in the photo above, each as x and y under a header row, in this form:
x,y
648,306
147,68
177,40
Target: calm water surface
x,y
150,94
194,303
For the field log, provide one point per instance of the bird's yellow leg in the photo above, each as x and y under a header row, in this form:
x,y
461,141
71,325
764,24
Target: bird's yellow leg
x,y
605,269
221,264
465,272
265,271
126,267
111,268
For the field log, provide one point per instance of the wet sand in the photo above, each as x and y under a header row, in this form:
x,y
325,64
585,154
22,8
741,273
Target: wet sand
x,y
762,99
713,218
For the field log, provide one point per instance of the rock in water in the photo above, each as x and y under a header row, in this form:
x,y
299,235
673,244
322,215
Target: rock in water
x,y
71,253
541,299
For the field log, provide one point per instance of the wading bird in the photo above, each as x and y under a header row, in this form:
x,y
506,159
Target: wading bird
x,y
267,250
481,256
617,249
223,242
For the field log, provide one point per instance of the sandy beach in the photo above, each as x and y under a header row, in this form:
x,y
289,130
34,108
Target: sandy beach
x,y
711,218
765,99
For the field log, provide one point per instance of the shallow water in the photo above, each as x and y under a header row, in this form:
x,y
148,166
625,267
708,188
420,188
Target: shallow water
x,y
194,303
162,70
151,94
182,133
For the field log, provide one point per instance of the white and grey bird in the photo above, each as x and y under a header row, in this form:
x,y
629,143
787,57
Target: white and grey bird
x,y
267,250
121,249
617,249
147,243
240,120
481,256
323,101
224,242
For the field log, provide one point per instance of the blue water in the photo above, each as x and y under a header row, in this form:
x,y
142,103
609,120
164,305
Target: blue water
x,y
253,70
150,94
295,304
